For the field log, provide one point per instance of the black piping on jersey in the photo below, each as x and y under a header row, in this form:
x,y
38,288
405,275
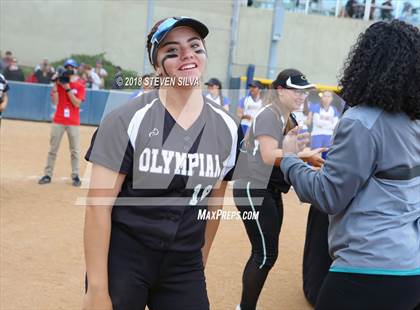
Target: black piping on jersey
x,y
180,180
399,173
294,120
170,123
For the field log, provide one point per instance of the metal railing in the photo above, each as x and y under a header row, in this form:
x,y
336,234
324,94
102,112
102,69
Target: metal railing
x,y
407,10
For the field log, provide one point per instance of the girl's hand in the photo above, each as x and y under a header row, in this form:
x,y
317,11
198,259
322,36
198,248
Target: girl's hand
x,y
293,142
313,157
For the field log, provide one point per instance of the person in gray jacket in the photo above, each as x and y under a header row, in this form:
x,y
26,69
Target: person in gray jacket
x,y
370,182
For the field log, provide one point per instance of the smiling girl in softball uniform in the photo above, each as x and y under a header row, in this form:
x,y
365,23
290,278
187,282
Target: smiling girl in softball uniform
x,y
167,151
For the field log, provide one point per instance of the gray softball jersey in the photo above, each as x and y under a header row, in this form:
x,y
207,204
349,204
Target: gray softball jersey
x,y
170,171
370,187
267,122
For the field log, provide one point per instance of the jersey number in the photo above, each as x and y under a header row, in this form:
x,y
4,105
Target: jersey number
x,y
194,199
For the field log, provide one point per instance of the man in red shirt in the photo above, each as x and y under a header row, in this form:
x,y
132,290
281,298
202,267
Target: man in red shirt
x,y
67,94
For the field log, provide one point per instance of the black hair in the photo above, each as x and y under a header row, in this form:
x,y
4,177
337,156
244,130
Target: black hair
x,y
383,69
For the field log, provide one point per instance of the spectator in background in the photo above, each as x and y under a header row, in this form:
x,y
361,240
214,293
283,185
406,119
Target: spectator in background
x,y
81,70
44,72
249,105
101,72
4,87
31,78
386,10
67,94
94,81
323,118
350,8
147,84
13,72
407,13
44,61
301,115
6,61
214,88
118,82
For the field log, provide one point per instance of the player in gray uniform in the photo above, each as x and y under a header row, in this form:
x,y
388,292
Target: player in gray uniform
x,y
260,191
168,153
370,182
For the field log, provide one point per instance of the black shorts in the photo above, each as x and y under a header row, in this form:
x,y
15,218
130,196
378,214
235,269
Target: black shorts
x,y
351,291
162,280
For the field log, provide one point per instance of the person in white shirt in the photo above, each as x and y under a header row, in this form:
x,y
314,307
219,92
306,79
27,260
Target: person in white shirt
x,y
249,105
93,78
301,116
101,72
214,89
324,118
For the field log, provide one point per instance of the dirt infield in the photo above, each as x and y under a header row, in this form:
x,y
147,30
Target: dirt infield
x,y
41,258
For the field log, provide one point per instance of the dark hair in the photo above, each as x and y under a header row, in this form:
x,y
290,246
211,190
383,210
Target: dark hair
x,y
272,97
383,69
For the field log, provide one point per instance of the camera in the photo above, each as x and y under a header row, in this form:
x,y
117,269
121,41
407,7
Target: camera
x,y
62,75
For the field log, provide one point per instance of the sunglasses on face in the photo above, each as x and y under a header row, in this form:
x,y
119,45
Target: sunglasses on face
x,y
300,92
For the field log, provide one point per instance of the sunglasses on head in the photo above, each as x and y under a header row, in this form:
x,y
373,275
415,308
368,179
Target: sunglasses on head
x,y
160,33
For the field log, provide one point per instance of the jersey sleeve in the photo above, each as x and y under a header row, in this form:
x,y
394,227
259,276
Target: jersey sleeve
x,y
110,146
4,86
267,123
344,173
230,174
